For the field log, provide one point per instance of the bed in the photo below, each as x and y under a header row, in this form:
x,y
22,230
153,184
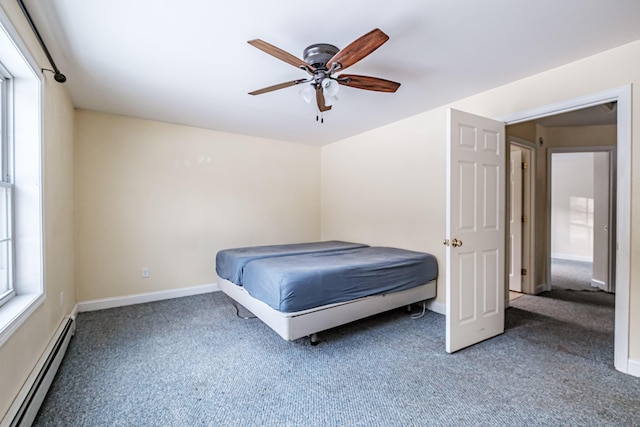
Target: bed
x,y
301,293
230,263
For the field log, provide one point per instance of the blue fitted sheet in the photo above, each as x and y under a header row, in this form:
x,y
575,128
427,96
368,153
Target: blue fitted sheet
x,y
299,282
230,263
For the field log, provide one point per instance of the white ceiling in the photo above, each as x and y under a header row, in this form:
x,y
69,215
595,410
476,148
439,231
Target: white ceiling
x,y
188,61
603,114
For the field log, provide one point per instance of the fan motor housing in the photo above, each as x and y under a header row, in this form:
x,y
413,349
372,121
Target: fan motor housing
x,y
317,55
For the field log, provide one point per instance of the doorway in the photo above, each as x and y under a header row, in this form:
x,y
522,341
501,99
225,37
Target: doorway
x,y
582,216
621,97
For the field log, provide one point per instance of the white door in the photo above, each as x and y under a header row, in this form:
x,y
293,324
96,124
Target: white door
x,y
475,235
515,221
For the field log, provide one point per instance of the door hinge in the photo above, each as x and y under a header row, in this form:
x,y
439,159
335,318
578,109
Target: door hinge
x,y
525,218
525,165
523,272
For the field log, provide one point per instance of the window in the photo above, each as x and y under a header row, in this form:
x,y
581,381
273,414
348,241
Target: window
x,y
22,287
6,190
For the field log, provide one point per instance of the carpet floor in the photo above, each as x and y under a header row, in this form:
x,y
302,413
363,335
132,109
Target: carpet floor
x,y
575,275
190,361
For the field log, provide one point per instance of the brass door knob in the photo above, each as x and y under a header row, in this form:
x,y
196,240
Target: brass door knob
x,y
456,243
446,242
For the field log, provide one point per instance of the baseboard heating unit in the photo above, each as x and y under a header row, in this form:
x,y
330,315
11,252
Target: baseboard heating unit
x,y
26,405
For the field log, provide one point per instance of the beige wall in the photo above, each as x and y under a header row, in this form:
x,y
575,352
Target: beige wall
x,y
168,197
376,188
19,354
387,186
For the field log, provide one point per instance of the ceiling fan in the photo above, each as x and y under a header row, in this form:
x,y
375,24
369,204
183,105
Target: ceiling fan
x,y
323,61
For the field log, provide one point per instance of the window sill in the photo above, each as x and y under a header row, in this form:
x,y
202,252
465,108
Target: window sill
x,y
15,312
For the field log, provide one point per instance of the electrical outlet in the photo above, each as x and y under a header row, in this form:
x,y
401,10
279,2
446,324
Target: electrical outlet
x,y
145,273
61,299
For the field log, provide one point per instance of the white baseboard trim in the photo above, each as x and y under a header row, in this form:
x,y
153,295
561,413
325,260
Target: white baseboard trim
x,y
599,284
541,287
101,304
437,307
634,367
74,312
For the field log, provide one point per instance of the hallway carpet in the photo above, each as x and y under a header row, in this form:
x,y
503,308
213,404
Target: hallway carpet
x,y
568,274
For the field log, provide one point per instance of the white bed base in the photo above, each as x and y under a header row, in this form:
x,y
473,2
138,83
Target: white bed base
x,y
292,326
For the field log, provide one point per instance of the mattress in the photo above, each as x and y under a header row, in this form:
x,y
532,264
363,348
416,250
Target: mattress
x,y
230,263
300,282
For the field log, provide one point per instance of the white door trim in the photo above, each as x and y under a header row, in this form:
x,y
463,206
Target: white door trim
x,y
621,95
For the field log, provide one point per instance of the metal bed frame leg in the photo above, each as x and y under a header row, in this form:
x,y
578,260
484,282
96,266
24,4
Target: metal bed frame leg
x,y
313,339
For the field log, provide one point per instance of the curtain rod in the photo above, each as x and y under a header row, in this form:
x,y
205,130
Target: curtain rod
x,y
57,75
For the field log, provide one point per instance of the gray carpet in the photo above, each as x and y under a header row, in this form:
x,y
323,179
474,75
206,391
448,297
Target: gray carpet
x,y
568,274
190,361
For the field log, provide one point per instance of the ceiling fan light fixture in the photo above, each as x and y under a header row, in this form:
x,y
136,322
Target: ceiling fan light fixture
x,y
330,100
307,93
330,87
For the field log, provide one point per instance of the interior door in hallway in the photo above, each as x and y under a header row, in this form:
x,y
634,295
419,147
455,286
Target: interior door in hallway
x,y
515,221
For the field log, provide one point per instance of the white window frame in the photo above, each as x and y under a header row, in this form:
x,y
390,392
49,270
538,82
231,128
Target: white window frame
x,y
23,164
6,182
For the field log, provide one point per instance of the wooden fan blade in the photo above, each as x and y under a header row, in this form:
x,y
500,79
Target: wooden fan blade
x,y
367,83
320,99
280,54
358,49
276,87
